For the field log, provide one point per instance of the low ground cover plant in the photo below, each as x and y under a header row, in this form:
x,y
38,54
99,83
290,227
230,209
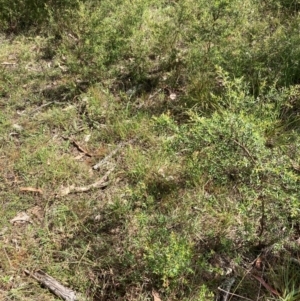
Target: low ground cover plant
x,y
150,149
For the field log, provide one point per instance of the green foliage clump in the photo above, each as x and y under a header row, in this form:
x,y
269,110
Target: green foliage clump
x,y
22,15
231,149
228,147
190,109
169,258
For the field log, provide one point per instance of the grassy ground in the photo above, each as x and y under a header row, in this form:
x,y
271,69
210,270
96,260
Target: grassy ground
x,y
142,165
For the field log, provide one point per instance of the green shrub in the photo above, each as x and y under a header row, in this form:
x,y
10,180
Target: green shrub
x,y
176,45
231,150
169,258
24,14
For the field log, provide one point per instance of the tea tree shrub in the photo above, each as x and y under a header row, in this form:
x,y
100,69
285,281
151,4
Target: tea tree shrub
x,y
169,258
157,44
22,15
230,149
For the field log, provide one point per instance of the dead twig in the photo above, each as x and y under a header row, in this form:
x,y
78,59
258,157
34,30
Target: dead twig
x,y
266,285
40,107
7,257
81,149
257,263
232,294
54,286
110,155
8,64
31,189
103,182
245,150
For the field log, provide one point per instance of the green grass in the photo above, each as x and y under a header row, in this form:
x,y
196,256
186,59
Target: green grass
x,y
192,109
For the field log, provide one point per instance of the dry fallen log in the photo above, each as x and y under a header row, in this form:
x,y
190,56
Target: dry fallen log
x,y
54,286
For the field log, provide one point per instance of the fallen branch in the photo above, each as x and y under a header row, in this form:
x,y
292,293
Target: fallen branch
x,y
103,182
54,286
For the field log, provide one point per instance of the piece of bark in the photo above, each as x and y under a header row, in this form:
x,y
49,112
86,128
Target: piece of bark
x,y
54,286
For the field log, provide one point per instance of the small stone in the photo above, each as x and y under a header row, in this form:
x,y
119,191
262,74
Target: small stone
x,y
173,96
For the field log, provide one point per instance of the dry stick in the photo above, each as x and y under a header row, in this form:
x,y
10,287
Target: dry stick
x,y
81,149
7,257
103,182
110,155
245,150
84,253
78,146
40,107
232,294
259,290
54,286
262,219
8,64
229,284
266,285
31,189
99,184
